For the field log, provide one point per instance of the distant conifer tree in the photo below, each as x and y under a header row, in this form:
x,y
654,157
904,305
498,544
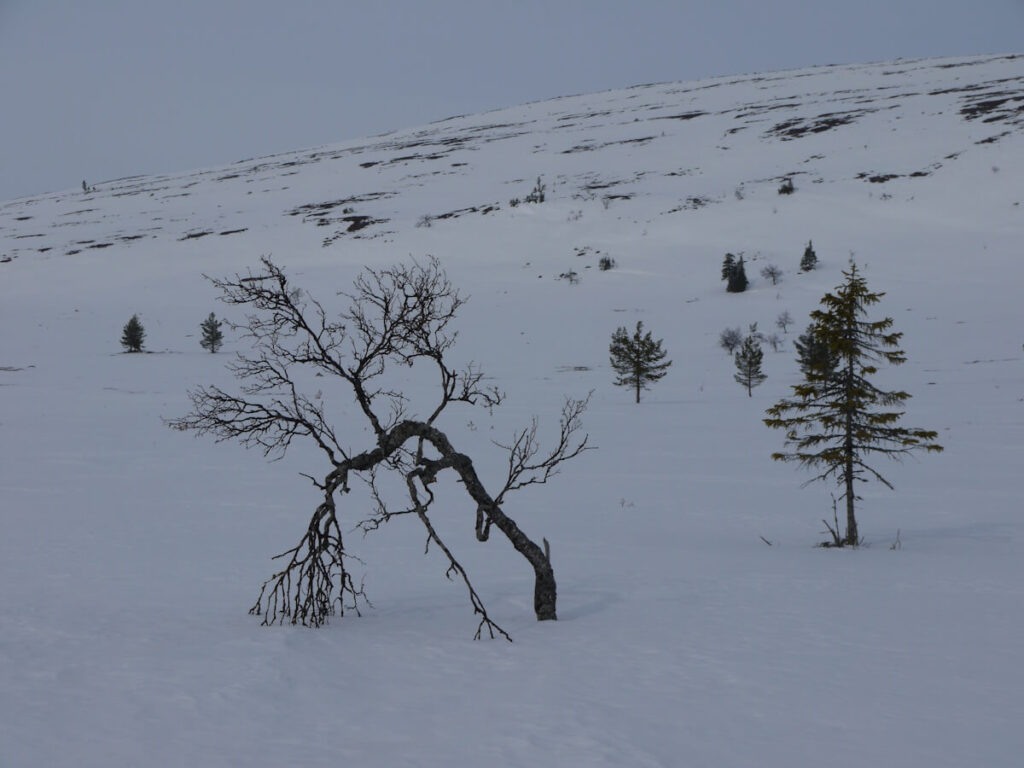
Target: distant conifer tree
x,y
133,335
737,278
637,360
748,361
212,335
836,419
728,265
810,258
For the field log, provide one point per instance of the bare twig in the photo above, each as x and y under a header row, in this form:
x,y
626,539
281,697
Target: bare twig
x,y
897,544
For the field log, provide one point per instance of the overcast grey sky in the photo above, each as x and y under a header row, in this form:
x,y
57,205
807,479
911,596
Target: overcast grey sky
x,y
97,89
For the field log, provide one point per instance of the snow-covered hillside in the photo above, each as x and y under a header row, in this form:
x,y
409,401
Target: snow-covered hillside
x,y
130,553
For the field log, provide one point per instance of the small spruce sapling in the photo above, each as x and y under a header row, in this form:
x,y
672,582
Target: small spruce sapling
x,y
748,361
728,265
133,335
213,337
810,258
637,360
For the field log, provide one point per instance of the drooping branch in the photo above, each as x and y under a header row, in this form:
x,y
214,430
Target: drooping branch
x,y
314,581
453,565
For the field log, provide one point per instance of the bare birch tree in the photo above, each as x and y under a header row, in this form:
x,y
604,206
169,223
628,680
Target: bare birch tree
x,y
397,316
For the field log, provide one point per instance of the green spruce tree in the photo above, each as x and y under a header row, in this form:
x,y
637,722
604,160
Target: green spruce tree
x,y
810,258
737,278
748,362
133,335
637,360
836,420
728,265
212,337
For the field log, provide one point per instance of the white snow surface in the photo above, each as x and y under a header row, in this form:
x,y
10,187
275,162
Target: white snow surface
x,y
130,553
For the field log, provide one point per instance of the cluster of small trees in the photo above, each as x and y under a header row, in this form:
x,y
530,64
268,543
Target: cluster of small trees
x,y
133,335
731,338
747,349
735,275
638,360
837,417
537,195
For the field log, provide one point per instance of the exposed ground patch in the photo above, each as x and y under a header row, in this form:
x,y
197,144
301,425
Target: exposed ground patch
x,y
680,116
314,211
589,146
196,235
801,126
692,204
992,107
